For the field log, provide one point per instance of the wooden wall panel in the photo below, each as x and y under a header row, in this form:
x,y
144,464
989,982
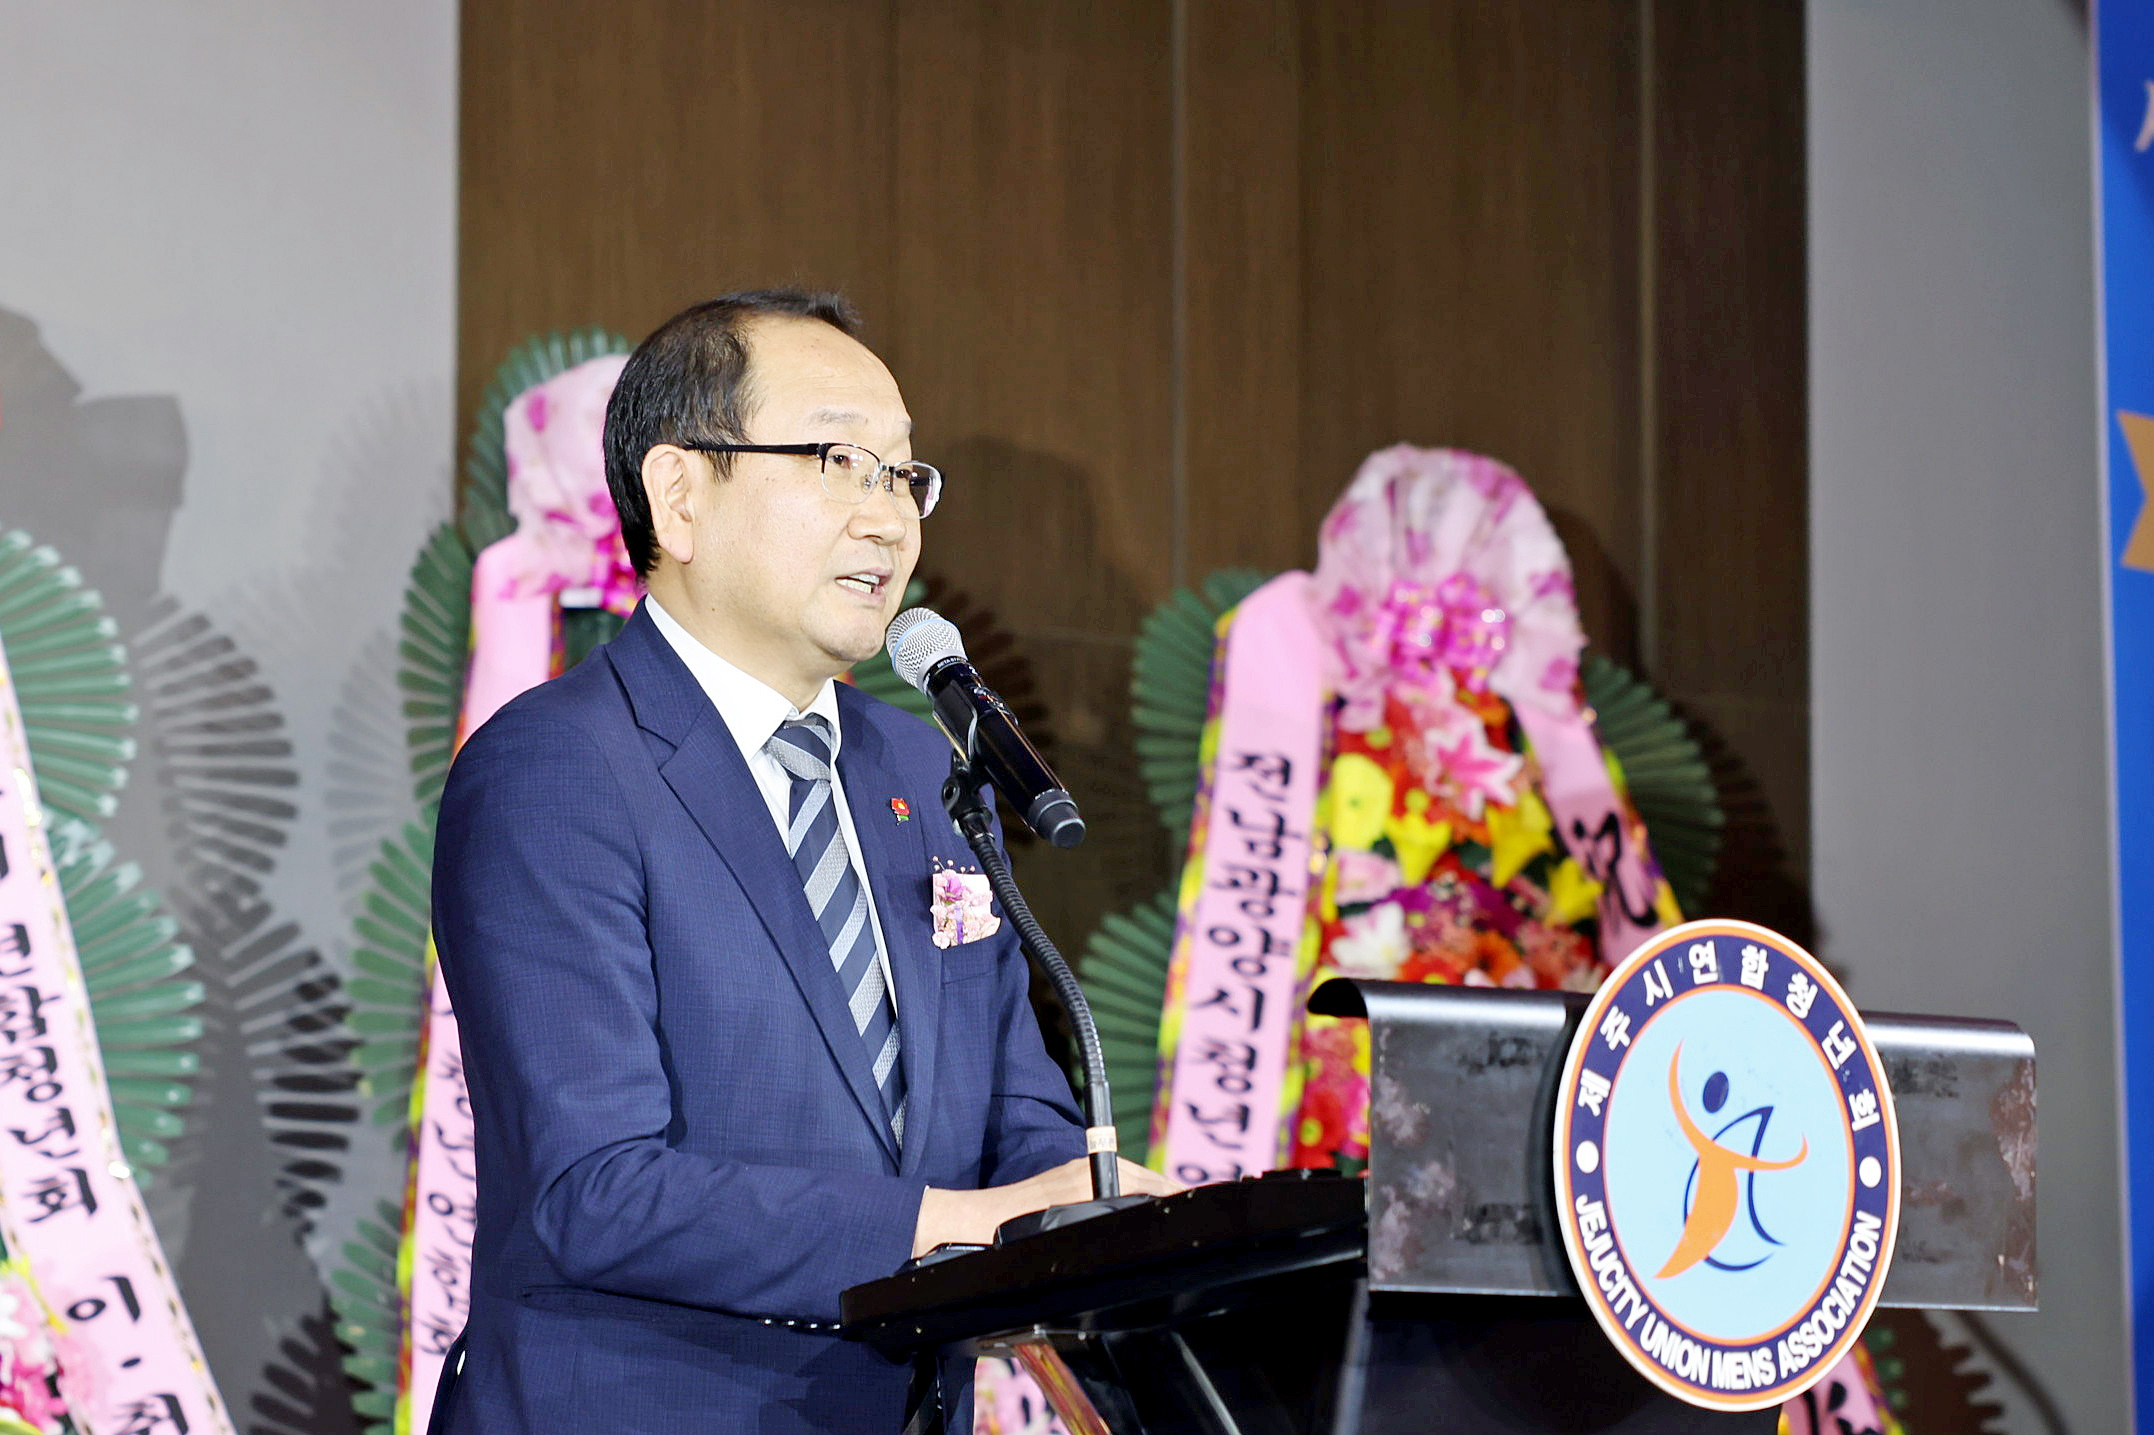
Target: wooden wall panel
x,y
1239,264
622,161
1469,240
1031,328
1031,319
1156,275
1731,513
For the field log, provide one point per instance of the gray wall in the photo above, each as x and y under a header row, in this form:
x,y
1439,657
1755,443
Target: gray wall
x,y
1956,625
226,358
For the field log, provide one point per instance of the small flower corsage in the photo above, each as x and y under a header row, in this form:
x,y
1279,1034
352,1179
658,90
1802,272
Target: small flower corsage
x,y
963,907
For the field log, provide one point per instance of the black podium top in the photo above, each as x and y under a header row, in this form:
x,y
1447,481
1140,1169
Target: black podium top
x,y
1141,1265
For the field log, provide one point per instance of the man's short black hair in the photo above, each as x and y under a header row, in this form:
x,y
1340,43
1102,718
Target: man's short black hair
x,y
689,382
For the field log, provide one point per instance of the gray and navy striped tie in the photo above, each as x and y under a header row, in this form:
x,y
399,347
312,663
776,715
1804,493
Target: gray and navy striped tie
x,y
840,903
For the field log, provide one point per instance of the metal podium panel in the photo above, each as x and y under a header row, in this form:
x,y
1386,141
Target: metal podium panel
x,y
1461,1092
1965,1095
1461,1194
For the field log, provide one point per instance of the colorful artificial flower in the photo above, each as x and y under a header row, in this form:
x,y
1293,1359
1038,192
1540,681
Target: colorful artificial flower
x,y
1475,773
31,1354
1572,895
1365,877
1334,1115
1517,835
1360,800
962,906
1556,954
1417,839
1453,644
1373,943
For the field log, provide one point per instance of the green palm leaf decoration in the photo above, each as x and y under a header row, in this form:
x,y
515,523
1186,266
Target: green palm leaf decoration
x,y
72,683
389,956
1170,683
369,1315
436,639
584,630
877,678
71,679
143,1009
1666,772
388,988
1124,975
1124,967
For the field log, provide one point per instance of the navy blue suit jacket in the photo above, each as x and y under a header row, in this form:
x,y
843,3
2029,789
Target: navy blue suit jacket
x,y
681,1156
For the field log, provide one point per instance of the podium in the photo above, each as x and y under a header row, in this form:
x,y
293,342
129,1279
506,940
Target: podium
x,y
1434,1295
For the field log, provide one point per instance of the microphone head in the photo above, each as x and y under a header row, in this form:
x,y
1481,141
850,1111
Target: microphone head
x,y
921,638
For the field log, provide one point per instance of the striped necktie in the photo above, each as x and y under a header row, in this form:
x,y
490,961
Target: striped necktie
x,y
839,902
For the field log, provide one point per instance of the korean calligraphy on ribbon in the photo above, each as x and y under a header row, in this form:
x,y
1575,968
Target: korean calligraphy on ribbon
x,y
69,1208
442,1204
566,552
1239,947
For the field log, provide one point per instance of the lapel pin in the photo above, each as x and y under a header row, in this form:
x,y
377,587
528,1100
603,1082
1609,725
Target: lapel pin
x,y
900,809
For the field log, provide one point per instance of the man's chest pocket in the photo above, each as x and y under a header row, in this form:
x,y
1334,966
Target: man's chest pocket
x,y
969,961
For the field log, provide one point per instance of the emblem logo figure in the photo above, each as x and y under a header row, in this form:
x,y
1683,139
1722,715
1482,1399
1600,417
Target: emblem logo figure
x,y
1717,1178
1650,1193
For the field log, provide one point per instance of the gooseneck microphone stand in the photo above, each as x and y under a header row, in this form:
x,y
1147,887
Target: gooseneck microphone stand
x,y
969,808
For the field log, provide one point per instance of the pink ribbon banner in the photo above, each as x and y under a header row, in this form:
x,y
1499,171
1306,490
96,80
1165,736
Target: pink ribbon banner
x,y
1592,823
566,552
130,1363
1843,1400
1240,930
443,1207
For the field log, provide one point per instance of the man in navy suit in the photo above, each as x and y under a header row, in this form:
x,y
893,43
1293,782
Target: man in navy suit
x,y
719,1070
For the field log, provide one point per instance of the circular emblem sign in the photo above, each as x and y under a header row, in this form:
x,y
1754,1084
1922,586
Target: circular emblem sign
x,y
1727,1165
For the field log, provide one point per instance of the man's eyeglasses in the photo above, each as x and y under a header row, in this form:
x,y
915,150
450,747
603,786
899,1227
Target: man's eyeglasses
x,y
851,473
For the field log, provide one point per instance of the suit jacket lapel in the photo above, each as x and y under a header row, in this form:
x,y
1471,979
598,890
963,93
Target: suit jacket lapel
x,y
711,780
895,854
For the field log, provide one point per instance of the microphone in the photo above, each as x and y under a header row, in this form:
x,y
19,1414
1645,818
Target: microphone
x,y
926,651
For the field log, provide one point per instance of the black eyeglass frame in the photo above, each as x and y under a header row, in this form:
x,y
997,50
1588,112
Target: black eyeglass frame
x,y
820,452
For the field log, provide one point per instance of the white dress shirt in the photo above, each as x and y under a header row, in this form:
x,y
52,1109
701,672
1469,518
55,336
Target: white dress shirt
x,y
753,710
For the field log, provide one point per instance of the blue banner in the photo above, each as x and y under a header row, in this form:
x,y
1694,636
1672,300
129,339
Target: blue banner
x,y
2124,133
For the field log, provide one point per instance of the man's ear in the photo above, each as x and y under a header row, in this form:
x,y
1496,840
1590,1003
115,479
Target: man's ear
x,y
670,485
